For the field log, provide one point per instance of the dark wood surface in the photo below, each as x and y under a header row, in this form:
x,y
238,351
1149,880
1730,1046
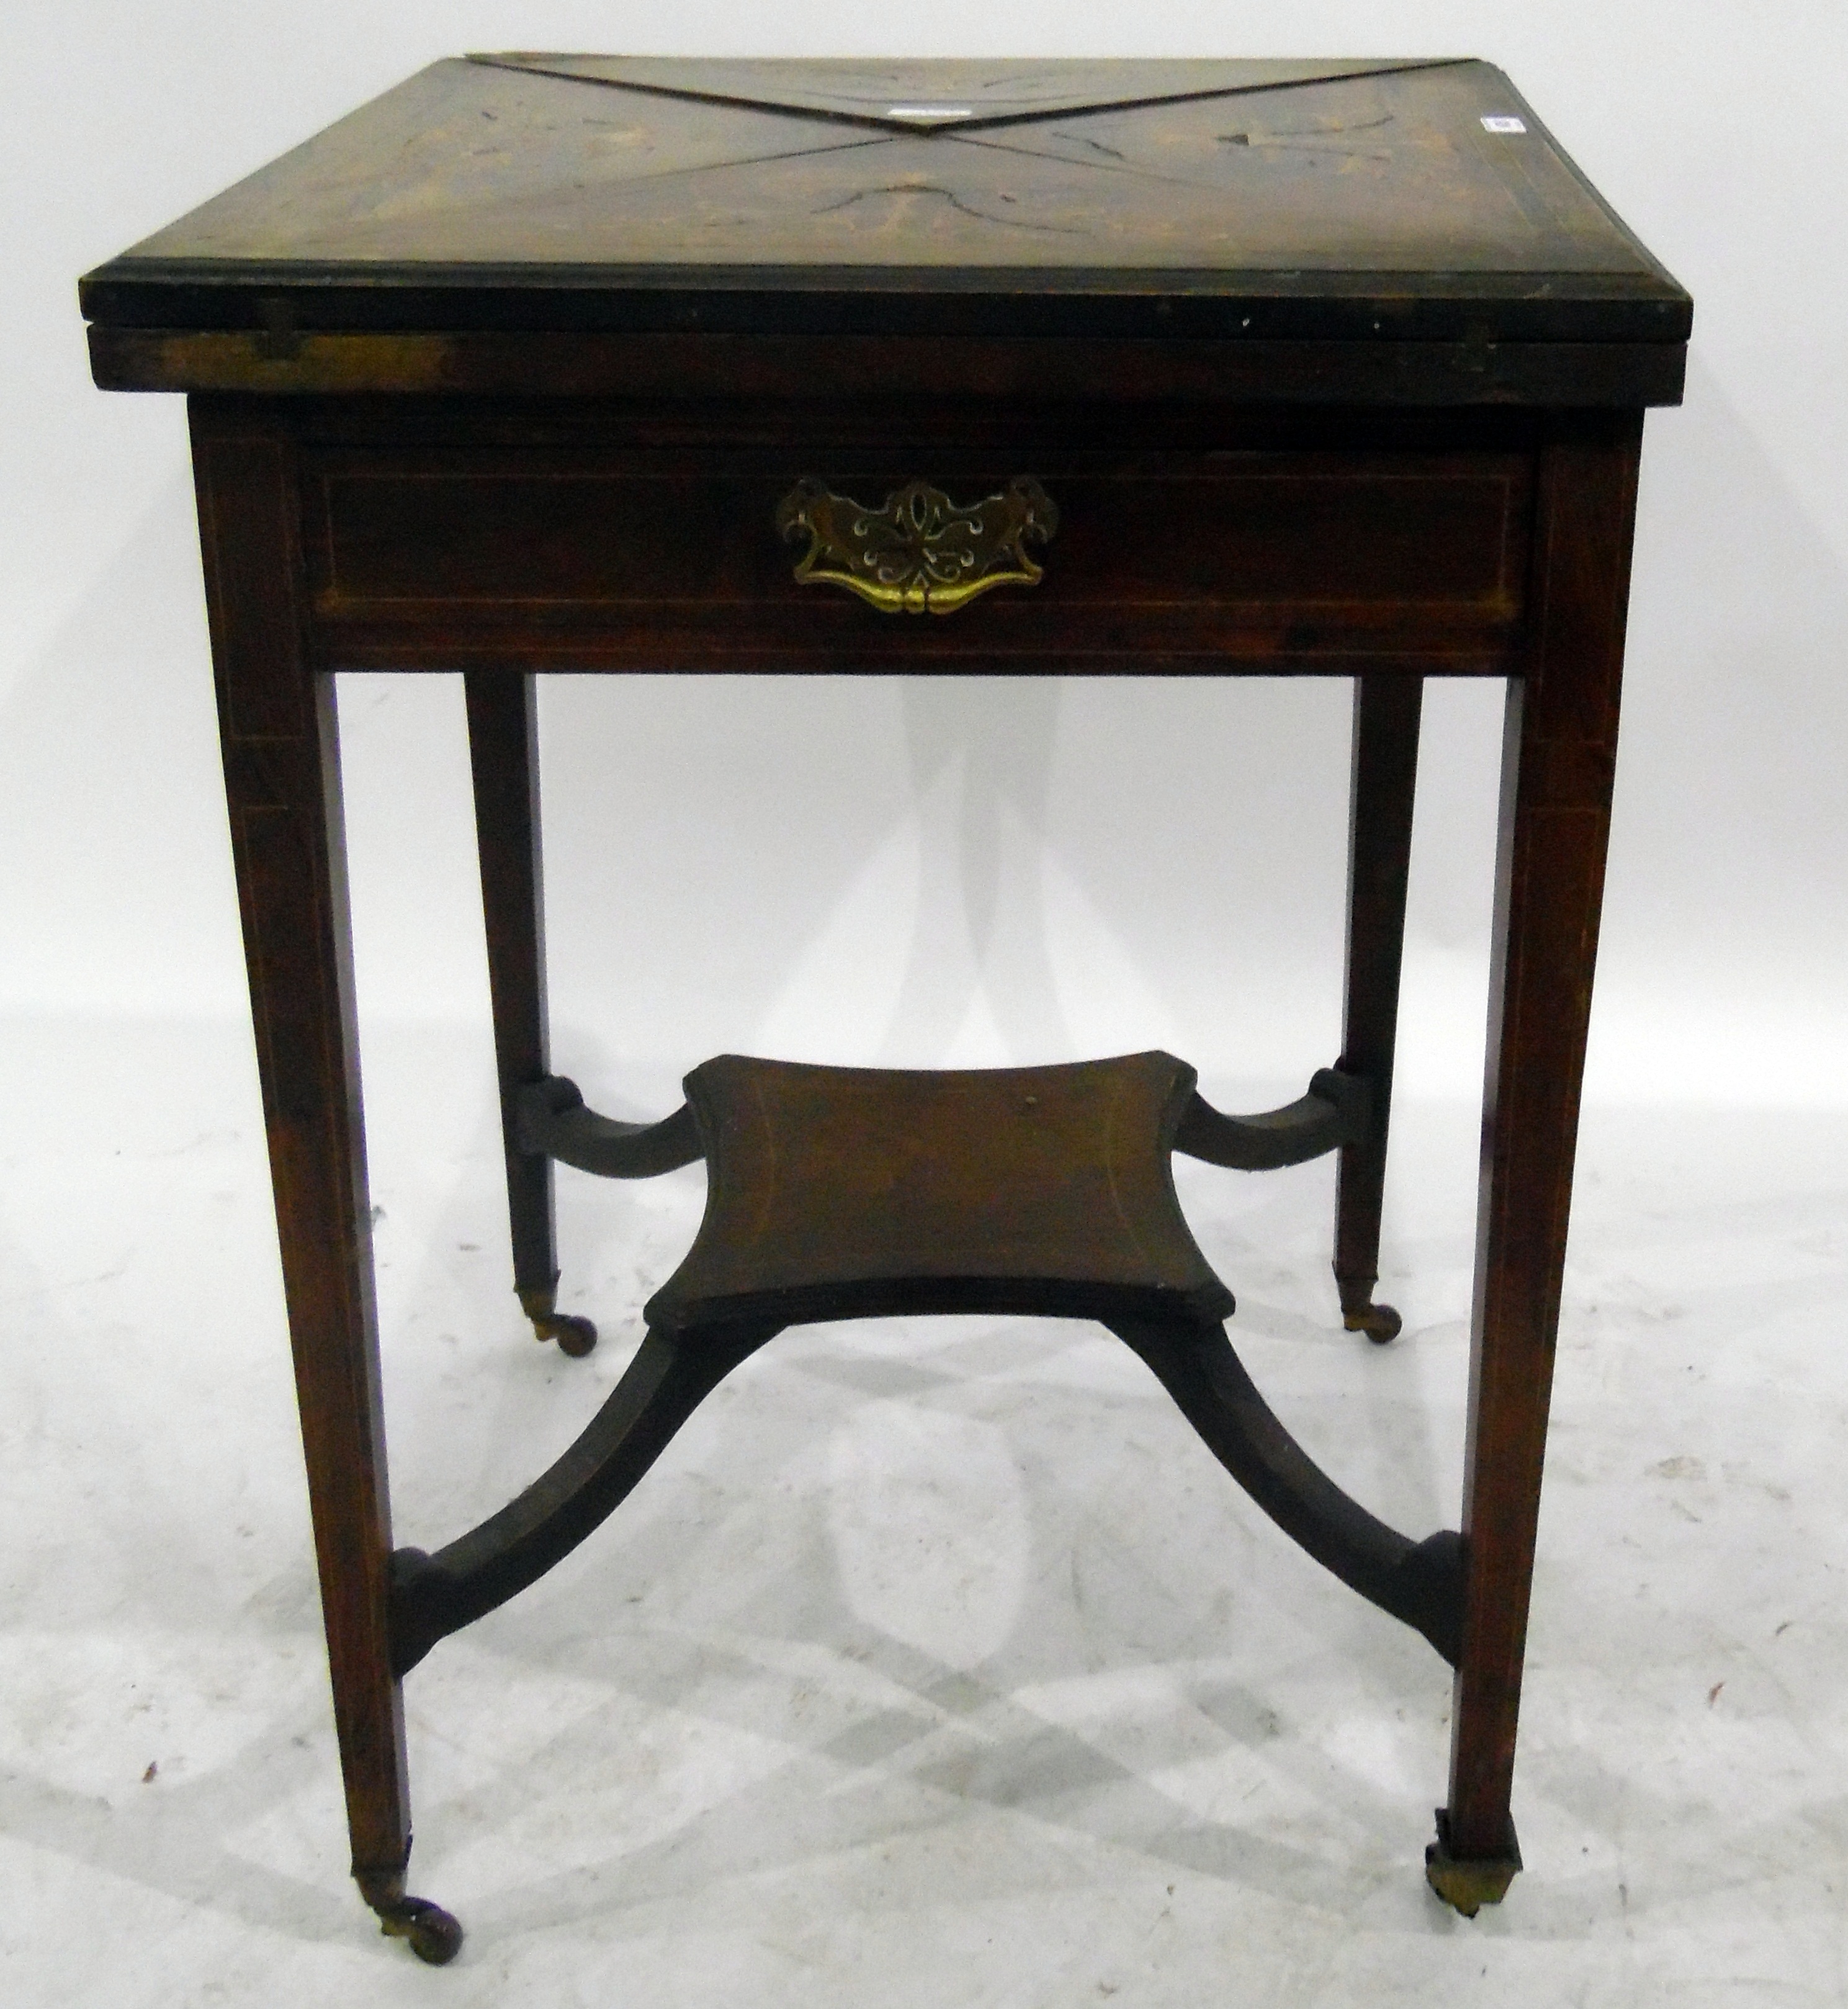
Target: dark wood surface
x,y
844,1192
504,764
855,1191
1560,758
1382,782
1330,199
1353,374
1530,574
1533,563
282,781
1309,372
672,559
1313,229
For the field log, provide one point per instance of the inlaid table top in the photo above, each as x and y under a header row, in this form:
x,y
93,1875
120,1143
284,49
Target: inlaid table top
x,y
1411,200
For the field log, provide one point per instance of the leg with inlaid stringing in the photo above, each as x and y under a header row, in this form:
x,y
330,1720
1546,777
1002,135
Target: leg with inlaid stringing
x,y
504,759
282,783
1386,709
1559,758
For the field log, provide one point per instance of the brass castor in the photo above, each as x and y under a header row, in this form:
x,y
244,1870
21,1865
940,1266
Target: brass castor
x,y
1466,1884
435,1935
575,1336
1380,1323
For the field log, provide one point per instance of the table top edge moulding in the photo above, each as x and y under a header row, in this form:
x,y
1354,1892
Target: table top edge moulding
x,y
571,363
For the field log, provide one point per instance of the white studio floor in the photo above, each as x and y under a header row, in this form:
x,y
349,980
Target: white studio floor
x,y
937,1663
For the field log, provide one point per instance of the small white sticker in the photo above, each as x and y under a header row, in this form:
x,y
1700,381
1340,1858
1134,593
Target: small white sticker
x,y
929,112
1496,124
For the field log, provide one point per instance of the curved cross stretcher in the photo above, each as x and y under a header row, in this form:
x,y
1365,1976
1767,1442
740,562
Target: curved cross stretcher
x,y
844,1193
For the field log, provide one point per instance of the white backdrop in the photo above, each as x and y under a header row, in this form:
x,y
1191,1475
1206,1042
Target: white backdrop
x,y
651,1777
912,870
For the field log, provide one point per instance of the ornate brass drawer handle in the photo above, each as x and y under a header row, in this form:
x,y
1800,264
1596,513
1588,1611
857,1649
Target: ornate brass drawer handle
x,y
918,552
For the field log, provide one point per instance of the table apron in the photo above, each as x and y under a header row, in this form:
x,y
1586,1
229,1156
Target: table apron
x,y
1340,563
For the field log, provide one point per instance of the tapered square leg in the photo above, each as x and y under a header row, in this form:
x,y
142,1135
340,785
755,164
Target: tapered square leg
x,y
503,759
1560,752
282,783
1386,709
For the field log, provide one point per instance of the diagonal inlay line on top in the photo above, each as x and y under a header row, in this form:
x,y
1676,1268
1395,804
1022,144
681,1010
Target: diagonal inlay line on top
x,y
960,125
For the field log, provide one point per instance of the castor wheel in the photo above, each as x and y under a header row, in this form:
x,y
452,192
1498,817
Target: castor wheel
x,y
575,1336
435,1935
1380,1323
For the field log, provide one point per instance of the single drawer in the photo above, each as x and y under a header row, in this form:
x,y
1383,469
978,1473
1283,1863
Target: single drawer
x,y
664,560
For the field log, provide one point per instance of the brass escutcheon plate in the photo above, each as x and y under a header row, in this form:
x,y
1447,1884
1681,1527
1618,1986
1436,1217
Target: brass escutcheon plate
x,y
918,552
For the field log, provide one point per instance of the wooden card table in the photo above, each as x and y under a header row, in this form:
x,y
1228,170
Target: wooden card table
x,y
1216,369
